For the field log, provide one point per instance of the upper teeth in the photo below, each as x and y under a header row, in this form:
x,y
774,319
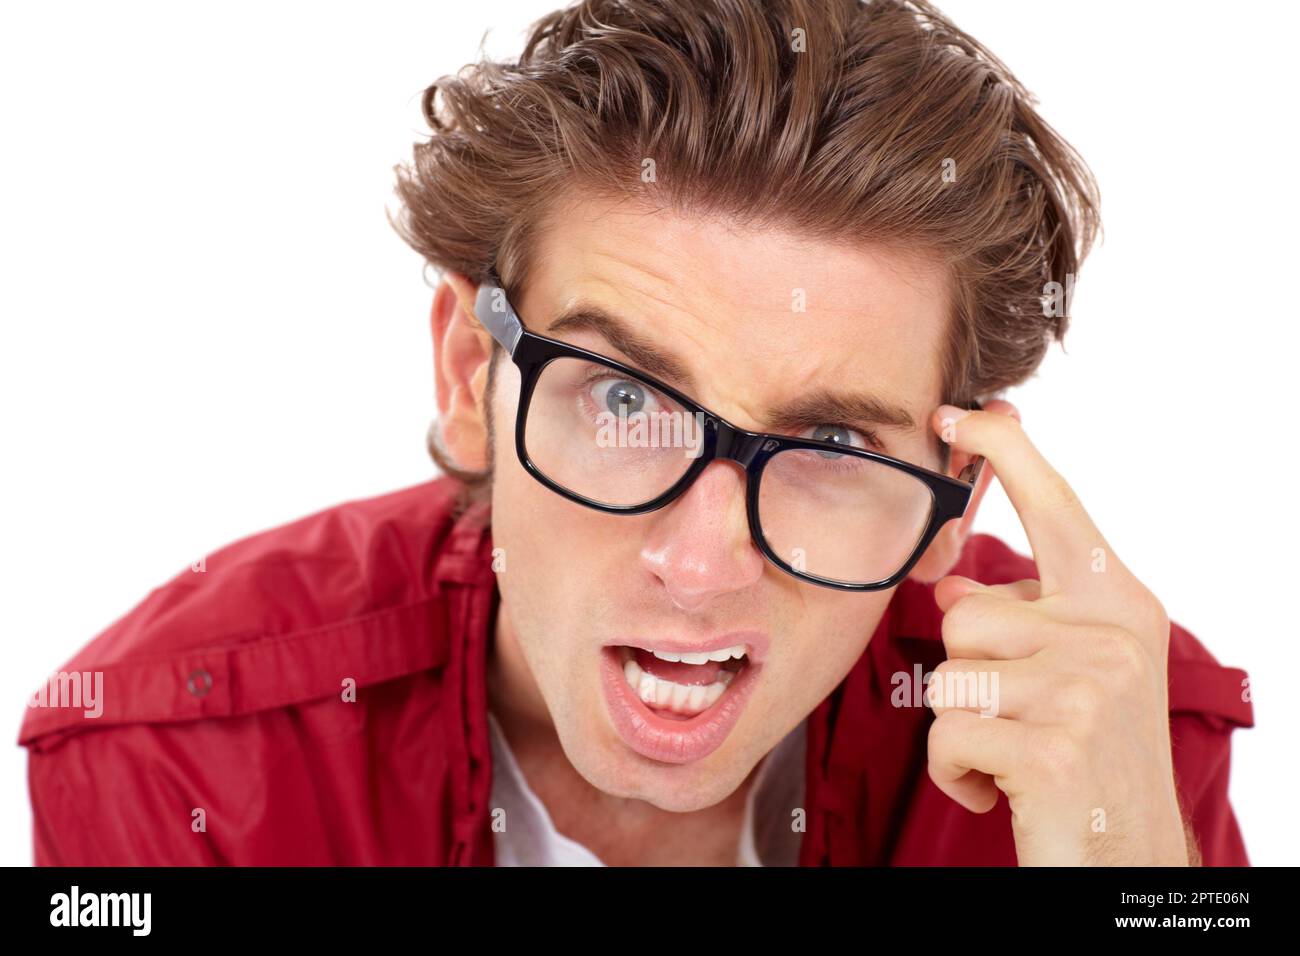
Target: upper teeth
x,y
722,654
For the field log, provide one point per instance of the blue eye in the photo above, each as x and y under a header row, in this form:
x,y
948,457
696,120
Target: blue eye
x,y
835,433
843,435
625,398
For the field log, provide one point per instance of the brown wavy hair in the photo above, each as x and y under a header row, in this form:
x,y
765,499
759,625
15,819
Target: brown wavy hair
x,y
836,119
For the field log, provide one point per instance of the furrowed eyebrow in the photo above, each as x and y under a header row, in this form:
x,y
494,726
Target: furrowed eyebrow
x,y
817,407
651,359
824,407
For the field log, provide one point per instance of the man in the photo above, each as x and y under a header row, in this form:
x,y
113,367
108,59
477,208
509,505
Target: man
x,y
729,293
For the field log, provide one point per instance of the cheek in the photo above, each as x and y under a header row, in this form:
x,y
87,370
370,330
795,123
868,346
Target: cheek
x,y
561,565
561,546
832,637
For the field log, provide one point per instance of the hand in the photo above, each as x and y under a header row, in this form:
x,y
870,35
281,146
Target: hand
x,y
1075,667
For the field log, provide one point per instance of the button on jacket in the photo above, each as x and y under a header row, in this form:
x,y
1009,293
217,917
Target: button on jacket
x,y
316,695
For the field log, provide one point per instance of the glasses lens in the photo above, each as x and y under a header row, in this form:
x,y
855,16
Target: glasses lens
x,y
608,436
841,517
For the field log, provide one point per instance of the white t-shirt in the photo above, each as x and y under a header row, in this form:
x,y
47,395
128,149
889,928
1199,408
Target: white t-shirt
x,y
767,835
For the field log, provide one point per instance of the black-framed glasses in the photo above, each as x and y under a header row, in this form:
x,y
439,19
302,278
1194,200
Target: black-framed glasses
x,y
610,437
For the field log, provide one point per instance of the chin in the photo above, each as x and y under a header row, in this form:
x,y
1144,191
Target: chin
x,y
678,788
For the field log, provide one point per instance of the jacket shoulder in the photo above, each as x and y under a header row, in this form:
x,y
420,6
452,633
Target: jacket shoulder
x,y
269,619
220,727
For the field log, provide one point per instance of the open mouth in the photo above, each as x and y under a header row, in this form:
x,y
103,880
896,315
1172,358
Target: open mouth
x,y
678,706
681,686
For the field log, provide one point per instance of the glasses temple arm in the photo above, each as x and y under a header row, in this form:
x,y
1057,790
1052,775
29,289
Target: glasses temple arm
x,y
494,312
971,473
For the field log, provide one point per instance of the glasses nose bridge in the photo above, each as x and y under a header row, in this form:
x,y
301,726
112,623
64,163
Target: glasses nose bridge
x,y
735,444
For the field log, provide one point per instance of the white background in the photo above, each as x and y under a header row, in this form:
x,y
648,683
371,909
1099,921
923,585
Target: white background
x,y
209,327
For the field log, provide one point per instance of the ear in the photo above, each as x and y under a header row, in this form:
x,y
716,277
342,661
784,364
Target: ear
x,y
462,350
947,545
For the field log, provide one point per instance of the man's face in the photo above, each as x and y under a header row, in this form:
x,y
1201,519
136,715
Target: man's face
x,y
757,319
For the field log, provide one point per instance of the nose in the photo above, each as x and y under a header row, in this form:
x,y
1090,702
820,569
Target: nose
x,y
700,547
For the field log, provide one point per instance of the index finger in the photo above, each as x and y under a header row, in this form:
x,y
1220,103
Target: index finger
x,y
1062,535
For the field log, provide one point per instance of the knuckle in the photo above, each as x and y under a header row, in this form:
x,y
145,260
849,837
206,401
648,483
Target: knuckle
x,y
942,736
939,676
966,618
1056,756
1082,700
1120,654
1154,615
1026,589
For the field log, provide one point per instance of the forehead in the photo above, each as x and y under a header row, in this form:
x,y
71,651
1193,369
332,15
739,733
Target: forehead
x,y
758,312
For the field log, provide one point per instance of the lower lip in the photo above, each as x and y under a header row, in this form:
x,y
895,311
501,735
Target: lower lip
x,y
662,738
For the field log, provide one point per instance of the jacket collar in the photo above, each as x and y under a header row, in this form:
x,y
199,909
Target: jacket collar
x,y
464,573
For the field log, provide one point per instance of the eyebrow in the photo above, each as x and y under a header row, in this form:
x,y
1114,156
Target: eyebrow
x,y
823,407
817,407
650,358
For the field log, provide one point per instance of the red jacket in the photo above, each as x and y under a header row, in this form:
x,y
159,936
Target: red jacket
x,y
223,693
